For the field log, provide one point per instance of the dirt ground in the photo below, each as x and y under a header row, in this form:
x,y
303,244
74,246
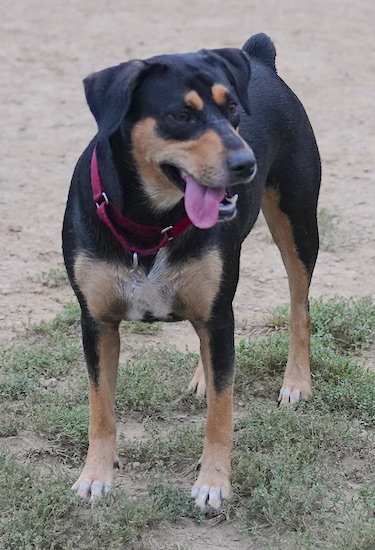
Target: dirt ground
x,y
325,54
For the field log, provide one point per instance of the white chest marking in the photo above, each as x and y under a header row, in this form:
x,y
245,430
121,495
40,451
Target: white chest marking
x,y
150,293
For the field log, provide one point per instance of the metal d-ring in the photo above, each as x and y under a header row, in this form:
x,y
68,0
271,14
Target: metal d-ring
x,y
166,231
105,200
135,261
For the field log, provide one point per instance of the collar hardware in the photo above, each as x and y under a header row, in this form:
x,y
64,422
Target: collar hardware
x,y
120,226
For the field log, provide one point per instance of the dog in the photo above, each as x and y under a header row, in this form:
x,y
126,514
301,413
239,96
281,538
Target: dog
x,y
189,148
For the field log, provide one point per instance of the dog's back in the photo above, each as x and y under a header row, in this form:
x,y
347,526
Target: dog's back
x,y
189,147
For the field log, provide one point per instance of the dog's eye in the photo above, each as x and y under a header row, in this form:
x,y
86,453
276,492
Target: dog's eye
x,y
232,108
183,116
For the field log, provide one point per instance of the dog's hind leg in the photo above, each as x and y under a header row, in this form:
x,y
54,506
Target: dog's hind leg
x,y
101,344
197,384
294,230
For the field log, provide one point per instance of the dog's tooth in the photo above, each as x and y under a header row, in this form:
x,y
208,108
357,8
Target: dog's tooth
x,y
233,199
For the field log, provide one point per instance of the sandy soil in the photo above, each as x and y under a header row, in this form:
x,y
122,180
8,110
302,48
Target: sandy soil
x,y
326,55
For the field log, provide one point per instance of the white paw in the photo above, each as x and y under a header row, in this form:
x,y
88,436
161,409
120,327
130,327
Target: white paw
x,y
212,486
291,394
211,496
90,490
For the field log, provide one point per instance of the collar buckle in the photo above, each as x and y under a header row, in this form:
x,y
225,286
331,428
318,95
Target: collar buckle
x,y
166,231
98,204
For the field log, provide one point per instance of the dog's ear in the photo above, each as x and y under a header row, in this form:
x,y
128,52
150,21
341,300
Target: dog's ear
x,y
236,65
109,94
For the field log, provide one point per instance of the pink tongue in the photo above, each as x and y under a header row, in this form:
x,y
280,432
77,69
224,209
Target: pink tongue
x,y
202,203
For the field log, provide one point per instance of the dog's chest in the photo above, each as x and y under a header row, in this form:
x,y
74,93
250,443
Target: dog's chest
x,y
148,296
165,292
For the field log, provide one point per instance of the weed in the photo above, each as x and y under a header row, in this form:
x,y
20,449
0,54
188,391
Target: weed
x,y
155,381
350,323
64,325
280,463
23,365
35,511
43,513
180,446
331,236
290,466
174,502
53,278
140,328
58,417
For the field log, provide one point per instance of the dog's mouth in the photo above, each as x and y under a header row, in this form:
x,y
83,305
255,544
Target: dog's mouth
x,y
204,205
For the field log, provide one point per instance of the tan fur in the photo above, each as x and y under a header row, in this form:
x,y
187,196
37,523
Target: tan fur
x,y
203,158
193,99
101,455
220,94
297,374
96,280
160,190
200,283
102,397
188,290
215,463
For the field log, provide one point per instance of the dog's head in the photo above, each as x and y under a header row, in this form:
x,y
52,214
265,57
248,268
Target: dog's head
x,y
182,114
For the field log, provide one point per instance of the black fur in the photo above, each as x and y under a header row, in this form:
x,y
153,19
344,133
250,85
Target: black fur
x,y
262,48
271,121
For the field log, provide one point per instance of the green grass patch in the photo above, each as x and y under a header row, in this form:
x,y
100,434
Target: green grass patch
x,y
339,385
281,462
135,327
291,466
34,511
49,350
63,421
53,278
331,236
174,502
180,446
24,365
65,325
155,382
42,513
349,323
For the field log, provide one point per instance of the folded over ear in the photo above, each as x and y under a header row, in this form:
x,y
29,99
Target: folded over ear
x,y
109,94
236,66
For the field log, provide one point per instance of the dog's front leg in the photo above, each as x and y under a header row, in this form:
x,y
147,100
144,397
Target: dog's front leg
x,y
101,346
217,352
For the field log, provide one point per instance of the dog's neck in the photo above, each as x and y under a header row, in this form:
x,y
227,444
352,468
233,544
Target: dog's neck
x,y
129,194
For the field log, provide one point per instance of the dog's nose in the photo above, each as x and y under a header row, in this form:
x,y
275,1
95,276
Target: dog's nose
x,y
242,163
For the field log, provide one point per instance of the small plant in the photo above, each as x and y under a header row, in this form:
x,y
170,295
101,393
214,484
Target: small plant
x,y
332,236
155,381
64,325
141,328
350,323
293,468
53,278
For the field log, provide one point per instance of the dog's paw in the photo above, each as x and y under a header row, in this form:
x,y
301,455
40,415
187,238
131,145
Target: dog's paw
x,y
96,478
89,490
292,393
211,488
198,383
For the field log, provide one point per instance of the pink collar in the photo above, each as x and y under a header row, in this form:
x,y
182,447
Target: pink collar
x,y
110,215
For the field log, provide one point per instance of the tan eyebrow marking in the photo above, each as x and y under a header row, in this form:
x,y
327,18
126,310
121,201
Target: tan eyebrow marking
x,y
194,100
220,94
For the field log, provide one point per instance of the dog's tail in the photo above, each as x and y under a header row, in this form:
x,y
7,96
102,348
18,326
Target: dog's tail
x,y
262,48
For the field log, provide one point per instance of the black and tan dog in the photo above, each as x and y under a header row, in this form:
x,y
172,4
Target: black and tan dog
x,y
189,148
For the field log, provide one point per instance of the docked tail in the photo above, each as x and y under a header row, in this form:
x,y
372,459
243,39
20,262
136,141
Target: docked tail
x,y
262,48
